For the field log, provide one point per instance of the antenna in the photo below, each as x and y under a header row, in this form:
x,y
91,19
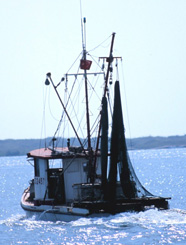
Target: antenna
x,y
83,21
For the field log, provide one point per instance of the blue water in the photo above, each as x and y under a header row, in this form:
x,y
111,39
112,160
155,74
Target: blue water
x,y
162,172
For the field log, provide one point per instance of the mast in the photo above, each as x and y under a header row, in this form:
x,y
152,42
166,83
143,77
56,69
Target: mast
x,y
110,60
85,66
86,88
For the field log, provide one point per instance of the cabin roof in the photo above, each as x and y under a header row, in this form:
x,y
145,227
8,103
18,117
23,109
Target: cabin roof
x,y
57,153
48,153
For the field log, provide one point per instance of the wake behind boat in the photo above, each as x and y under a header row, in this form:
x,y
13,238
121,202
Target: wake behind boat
x,y
89,179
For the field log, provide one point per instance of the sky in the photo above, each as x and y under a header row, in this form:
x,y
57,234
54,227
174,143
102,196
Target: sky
x,y
41,36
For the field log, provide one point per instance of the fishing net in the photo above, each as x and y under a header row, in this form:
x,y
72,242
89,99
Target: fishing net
x,y
119,159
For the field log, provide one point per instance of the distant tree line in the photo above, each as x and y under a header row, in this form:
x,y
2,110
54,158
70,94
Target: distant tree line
x,y
13,147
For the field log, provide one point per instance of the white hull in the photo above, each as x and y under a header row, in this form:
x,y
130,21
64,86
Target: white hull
x,y
55,213
66,217
52,216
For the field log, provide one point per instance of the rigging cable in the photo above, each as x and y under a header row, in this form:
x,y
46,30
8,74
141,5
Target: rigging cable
x,y
95,61
74,63
43,127
73,102
126,103
69,102
63,113
49,106
108,38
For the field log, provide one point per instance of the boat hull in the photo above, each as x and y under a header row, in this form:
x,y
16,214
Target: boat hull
x,y
69,213
52,216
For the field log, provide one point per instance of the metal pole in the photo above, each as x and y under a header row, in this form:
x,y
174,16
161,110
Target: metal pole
x,y
110,59
49,76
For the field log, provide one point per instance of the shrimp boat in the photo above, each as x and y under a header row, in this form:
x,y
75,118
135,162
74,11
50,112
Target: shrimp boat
x,y
94,176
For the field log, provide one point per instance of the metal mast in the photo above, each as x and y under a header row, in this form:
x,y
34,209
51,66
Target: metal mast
x,y
90,155
86,86
109,60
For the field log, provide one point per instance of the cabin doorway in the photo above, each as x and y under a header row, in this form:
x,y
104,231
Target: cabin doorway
x,y
56,188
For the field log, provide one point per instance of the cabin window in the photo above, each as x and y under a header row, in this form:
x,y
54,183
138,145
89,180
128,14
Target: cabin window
x,y
55,163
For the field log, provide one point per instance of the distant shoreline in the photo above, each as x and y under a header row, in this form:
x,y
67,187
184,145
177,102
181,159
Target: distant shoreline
x,y
157,142
20,147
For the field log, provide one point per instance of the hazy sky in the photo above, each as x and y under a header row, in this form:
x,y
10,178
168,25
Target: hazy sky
x,y
40,36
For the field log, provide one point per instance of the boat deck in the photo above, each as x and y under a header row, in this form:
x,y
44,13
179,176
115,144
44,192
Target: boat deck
x,y
91,207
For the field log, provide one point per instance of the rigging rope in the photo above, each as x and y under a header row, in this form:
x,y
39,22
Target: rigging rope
x,y
49,106
66,104
101,44
43,126
128,121
74,63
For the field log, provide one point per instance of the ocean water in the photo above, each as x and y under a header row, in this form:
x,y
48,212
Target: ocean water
x,y
162,172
